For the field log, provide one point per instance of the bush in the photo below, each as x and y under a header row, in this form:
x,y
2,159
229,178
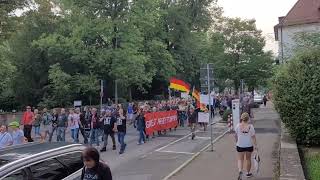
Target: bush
x,y
296,90
225,115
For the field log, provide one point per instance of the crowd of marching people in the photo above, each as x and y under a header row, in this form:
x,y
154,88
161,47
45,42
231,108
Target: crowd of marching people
x,y
95,126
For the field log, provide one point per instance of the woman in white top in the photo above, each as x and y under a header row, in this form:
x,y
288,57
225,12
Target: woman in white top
x,y
74,120
246,143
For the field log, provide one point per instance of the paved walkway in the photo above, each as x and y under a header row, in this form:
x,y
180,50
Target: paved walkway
x,y
221,164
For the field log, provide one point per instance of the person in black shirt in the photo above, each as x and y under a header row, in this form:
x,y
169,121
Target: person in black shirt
x,y
193,121
93,168
109,125
54,123
122,129
82,125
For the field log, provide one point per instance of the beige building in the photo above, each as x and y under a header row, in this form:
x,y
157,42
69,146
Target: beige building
x,y
304,17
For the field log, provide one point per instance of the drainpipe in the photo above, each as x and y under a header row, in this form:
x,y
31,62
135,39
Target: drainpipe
x,y
282,53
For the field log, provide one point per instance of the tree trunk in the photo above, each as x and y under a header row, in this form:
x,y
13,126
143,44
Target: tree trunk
x,y
90,99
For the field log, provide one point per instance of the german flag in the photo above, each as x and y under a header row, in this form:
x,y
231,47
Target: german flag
x,y
179,85
196,95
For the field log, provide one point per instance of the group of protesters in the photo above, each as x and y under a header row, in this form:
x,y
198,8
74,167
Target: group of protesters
x,y
94,125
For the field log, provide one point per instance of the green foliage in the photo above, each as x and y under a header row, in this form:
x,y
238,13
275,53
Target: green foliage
x,y
60,85
306,40
57,55
297,96
312,160
245,58
226,114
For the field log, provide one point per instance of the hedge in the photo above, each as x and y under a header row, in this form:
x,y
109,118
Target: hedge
x,y
296,90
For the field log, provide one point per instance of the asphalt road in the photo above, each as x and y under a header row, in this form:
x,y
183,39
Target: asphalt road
x,y
158,157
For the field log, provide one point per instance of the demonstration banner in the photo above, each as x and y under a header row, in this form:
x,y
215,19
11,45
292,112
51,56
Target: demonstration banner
x,y
158,121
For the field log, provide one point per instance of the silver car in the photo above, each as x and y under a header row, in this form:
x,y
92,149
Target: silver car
x,y
41,161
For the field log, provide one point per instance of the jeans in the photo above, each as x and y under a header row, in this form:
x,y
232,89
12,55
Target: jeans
x,y
27,132
85,138
121,136
37,130
105,139
61,134
94,136
75,135
54,128
141,136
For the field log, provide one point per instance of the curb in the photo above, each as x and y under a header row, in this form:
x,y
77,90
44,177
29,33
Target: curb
x,y
290,162
194,157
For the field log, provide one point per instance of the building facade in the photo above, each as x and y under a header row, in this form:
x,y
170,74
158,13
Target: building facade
x,y
304,17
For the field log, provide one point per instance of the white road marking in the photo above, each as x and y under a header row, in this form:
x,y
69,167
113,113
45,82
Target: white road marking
x,y
174,142
213,123
200,137
177,152
193,157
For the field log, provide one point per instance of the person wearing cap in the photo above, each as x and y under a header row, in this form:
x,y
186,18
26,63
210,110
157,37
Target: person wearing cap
x,y
16,133
193,121
5,137
27,122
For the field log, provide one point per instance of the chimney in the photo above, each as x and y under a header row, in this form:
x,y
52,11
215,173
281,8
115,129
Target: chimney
x,y
280,19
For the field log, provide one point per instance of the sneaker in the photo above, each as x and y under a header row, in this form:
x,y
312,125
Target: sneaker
x,y
114,147
240,176
249,175
103,149
121,152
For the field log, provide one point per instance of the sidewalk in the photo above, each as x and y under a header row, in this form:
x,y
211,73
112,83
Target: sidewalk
x,y
222,163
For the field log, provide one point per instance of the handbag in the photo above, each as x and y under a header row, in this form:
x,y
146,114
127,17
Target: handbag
x,y
256,161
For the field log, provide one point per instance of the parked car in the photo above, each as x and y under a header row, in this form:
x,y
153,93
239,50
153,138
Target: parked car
x,y
258,99
41,161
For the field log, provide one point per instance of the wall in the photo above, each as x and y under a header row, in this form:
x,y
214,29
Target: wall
x,y
288,38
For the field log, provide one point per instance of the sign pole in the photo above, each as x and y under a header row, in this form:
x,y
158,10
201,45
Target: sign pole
x,y
209,98
101,93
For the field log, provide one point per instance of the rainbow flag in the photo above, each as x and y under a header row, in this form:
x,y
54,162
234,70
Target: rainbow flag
x,y
179,85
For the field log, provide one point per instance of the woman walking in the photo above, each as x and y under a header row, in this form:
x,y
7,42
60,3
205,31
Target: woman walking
x,y
36,123
246,142
121,129
74,119
140,125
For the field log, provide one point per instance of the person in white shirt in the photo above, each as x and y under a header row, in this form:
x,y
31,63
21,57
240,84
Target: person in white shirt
x,y
74,120
5,137
245,143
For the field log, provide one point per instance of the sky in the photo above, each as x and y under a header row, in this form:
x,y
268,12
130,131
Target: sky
x,y
266,13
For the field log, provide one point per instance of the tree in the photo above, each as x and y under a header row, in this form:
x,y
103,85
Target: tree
x,y
30,63
307,40
7,16
60,86
245,58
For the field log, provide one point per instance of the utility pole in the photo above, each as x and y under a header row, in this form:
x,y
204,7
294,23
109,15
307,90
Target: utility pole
x,y
116,91
207,84
101,93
